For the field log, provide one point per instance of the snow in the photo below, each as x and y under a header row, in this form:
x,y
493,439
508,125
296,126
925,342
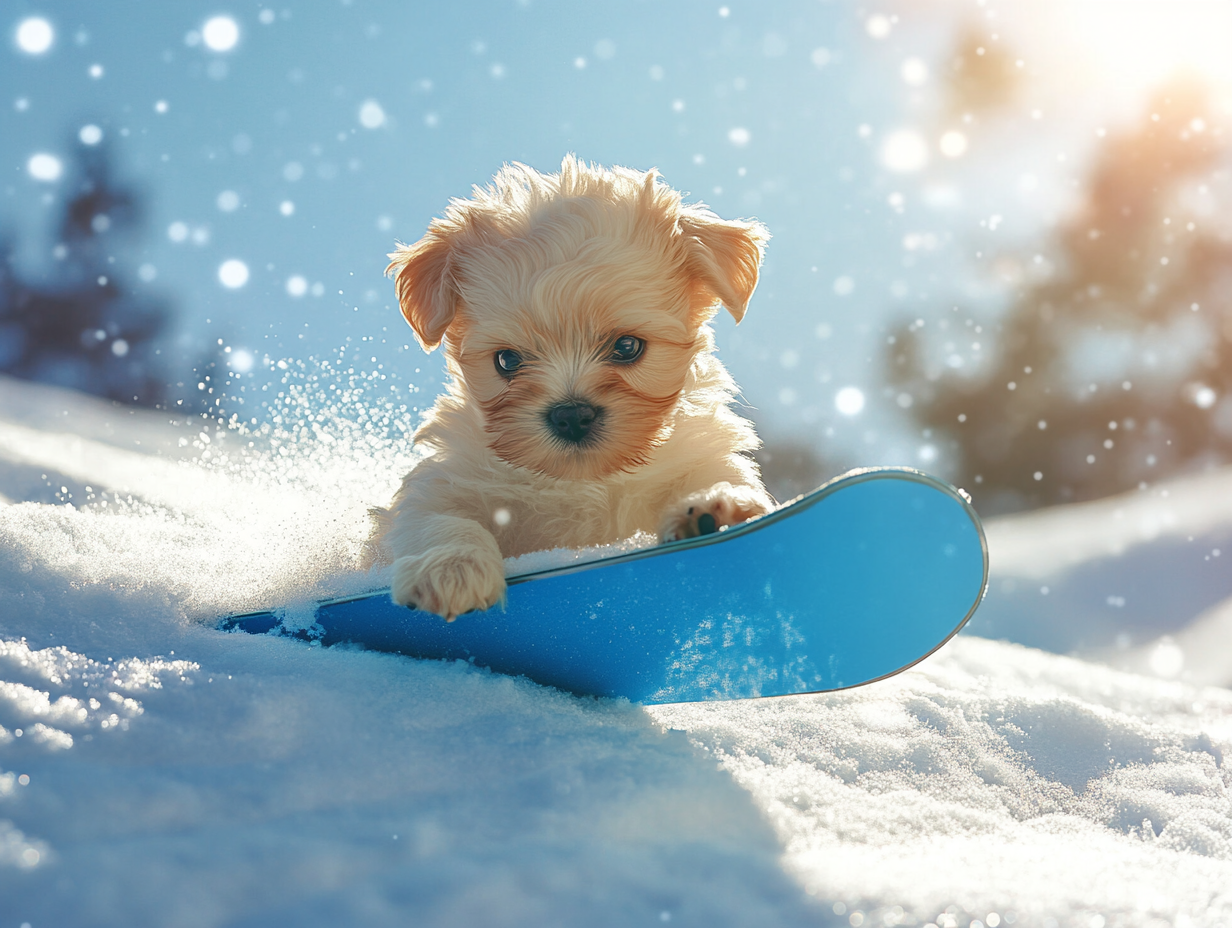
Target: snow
x,y
169,774
1118,579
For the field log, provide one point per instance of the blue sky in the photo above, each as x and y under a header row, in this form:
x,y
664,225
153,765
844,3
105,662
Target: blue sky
x,y
328,130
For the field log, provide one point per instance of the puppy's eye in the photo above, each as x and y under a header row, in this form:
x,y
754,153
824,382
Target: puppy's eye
x,y
627,348
507,361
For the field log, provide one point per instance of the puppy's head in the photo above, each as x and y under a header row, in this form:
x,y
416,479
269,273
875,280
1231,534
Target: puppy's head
x,y
572,306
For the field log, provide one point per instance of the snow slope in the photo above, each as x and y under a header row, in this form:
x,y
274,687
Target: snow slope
x,y
1142,581
169,774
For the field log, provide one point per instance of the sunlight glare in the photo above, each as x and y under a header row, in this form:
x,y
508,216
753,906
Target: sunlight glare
x,y
1150,40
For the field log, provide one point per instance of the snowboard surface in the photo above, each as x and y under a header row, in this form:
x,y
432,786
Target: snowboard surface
x,y
854,582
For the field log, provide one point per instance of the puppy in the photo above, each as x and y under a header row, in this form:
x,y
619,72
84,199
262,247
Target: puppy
x,y
584,402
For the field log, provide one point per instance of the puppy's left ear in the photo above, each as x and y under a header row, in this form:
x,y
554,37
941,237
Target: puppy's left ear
x,y
427,292
724,255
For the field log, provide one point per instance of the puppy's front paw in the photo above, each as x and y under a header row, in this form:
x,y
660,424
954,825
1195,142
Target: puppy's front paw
x,y
450,581
707,511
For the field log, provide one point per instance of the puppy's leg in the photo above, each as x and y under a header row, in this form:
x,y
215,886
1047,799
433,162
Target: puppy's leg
x,y
455,566
709,510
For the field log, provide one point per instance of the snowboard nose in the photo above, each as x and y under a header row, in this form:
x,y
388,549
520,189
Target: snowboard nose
x,y
572,422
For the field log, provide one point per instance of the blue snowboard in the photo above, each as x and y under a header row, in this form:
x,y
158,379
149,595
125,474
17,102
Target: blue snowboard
x,y
849,584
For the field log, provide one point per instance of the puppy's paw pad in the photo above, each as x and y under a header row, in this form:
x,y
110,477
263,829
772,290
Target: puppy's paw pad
x,y
449,582
707,511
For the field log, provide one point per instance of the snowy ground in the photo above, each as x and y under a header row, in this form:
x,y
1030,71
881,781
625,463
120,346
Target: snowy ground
x,y
153,771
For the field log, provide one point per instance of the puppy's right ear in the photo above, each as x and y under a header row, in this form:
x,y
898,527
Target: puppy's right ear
x,y
427,292
724,255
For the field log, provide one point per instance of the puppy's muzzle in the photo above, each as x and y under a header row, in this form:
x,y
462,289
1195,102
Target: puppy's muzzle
x,y
573,422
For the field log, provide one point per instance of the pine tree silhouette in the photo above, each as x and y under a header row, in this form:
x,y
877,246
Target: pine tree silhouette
x,y
86,328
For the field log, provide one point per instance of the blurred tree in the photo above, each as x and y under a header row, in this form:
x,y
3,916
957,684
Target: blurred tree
x,y
87,328
982,74
1116,366
789,467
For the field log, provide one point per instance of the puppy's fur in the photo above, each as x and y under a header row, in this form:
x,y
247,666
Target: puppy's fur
x,y
558,267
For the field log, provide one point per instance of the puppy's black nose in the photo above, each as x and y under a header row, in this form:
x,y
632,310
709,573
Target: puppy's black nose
x,y
572,421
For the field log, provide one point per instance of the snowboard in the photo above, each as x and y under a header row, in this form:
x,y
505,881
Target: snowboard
x,y
846,585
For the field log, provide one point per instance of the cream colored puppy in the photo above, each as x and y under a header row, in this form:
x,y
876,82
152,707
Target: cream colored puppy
x,y
584,402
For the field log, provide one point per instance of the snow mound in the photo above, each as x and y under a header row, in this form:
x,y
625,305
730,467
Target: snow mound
x,y
1141,581
998,780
